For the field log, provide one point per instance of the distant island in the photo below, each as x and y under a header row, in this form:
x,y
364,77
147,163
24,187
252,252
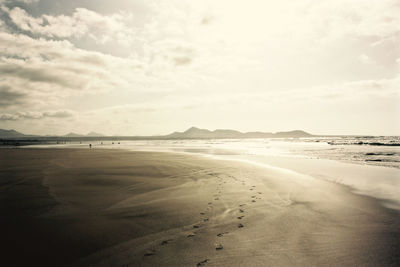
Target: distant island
x,y
191,133
196,133
91,134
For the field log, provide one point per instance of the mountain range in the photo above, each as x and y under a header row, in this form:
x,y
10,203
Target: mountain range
x,y
11,134
196,133
91,134
191,133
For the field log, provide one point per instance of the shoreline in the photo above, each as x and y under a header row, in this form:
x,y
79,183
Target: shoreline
x,y
351,175
115,207
269,164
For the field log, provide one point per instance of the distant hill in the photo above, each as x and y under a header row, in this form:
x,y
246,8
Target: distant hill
x,y
194,132
10,134
94,134
295,133
91,134
73,135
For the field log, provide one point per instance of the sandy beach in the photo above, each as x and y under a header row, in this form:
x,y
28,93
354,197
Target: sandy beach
x,y
93,207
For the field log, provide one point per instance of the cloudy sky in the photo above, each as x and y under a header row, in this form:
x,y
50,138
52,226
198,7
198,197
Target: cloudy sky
x,y
142,67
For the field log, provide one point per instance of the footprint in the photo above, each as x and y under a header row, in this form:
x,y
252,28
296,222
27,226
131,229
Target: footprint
x,y
196,226
251,189
240,217
209,203
241,211
202,213
205,220
241,205
217,198
218,247
259,193
253,196
222,234
191,235
165,242
202,263
240,225
253,200
150,252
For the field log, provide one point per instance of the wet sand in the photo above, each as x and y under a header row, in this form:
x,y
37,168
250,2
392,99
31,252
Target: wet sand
x,y
81,207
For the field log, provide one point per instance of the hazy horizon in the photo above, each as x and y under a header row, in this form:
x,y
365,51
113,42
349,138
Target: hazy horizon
x,y
151,67
94,134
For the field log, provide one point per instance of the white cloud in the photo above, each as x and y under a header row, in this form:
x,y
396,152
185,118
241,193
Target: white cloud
x,y
50,70
36,115
82,22
20,1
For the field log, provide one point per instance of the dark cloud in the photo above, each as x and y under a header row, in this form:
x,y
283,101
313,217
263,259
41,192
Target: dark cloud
x,y
34,74
92,59
56,67
8,117
59,114
10,97
207,20
37,115
7,21
182,61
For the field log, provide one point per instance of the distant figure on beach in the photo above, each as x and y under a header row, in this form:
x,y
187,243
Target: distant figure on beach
x,y
90,145
112,142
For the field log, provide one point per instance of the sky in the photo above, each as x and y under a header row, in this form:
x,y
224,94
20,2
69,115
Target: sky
x,y
148,67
